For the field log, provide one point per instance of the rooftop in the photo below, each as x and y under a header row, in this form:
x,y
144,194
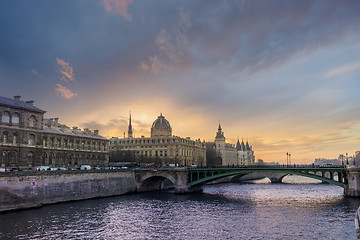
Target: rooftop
x,y
17,103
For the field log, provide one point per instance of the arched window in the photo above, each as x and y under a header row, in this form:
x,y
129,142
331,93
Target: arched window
x,y
32,140
5,118
5,137
52,142
15,138
59,143
32,121
15,119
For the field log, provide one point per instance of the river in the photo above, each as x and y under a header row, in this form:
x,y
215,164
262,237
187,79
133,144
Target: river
x,y
222,211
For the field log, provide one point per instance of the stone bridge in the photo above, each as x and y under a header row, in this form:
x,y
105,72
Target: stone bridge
x,y
191,180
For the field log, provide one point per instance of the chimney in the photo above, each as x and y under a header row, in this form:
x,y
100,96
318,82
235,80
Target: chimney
x,y
86,130
30,102
75,128
56,120
17,98
96,132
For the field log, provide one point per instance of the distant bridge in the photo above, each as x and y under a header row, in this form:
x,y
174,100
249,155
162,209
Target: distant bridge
x,y
332,175
187,180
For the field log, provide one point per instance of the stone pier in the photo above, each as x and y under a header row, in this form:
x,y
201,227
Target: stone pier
x,y
353,178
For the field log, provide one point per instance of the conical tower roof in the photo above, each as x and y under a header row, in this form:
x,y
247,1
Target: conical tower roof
x,y
238,145
243,145
247,145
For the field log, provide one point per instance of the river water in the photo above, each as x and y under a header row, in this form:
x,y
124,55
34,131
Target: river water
x,y
222,211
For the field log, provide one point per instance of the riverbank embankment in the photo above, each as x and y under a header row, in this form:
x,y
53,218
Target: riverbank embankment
x,y
34,189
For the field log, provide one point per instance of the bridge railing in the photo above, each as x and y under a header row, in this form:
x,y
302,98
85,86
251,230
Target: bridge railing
x,y
273,166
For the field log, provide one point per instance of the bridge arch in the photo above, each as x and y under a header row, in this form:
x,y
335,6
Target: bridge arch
x,y
200,177
155,183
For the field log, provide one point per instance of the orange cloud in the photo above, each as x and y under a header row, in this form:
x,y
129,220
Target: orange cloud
x,y
64,91
66,70
118,6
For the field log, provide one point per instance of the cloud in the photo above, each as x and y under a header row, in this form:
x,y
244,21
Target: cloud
x,y
118,6
172,48
64,91
118,126
36,73
66,70
343,69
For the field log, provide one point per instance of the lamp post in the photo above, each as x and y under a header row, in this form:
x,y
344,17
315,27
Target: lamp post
x,y
287,159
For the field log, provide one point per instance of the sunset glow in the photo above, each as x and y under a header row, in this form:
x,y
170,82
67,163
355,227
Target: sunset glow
x,y
284,75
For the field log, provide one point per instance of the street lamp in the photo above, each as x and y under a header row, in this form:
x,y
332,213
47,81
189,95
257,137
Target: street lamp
x,y
287,159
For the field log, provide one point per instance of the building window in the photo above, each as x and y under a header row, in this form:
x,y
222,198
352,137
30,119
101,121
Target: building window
x,y
150,153
82,145
32,121
161,153
66,143
14,139
52,144
5,137
165,153
15,119
32,140
5,117
59,143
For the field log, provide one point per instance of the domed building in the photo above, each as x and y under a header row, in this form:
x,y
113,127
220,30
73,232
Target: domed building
x,y
161,147
161,127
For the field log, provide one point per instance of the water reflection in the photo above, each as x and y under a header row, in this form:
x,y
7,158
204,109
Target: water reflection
x,y
224,211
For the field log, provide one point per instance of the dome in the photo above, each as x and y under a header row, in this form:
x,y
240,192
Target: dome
x,y
161,127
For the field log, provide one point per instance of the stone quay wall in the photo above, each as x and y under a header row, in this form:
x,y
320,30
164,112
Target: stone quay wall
x,y
34,189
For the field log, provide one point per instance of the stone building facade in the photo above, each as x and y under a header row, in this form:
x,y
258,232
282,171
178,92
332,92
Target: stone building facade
x,y
162,145
28,140
241,154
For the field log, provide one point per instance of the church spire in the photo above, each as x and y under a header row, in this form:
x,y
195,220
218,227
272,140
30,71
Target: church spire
x,y
130,132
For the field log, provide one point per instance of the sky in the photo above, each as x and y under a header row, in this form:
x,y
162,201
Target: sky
x,y
283,75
